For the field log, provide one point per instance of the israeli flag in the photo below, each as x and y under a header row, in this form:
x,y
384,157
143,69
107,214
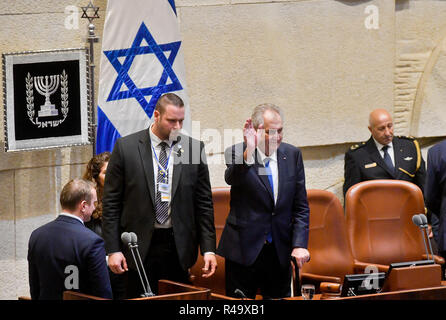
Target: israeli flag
x,y
141,59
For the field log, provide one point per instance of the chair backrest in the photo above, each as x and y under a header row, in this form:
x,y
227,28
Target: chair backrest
x,y
328,243
379,221
221,199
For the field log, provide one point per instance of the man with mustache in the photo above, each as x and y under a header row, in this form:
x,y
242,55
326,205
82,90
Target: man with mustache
x,y
384,156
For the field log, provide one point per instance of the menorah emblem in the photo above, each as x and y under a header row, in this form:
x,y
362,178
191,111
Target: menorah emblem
x,y
46,86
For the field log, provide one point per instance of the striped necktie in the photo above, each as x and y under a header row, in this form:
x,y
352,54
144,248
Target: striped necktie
x,y
162,207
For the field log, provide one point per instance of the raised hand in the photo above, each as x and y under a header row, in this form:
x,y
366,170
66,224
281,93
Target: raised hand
x,y
250,135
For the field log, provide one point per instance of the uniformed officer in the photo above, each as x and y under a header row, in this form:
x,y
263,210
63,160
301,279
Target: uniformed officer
x,y
384,156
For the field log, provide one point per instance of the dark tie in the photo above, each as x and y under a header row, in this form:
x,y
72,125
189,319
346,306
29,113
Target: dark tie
x,y
387,158
269,173
162,207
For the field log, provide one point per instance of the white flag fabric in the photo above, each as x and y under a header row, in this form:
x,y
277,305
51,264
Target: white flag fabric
x,y
141,59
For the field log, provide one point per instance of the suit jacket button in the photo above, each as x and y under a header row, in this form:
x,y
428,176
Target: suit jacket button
x,y
273,213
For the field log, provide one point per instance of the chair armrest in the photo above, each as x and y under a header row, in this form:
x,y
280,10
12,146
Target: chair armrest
x,y
360,266
319,278
437,259
330,287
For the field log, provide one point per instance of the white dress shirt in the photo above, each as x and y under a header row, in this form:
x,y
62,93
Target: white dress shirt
x,y
274,169
155,144
390,150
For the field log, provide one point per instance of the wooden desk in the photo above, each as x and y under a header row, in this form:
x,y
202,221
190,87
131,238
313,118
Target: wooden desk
x,y
168,290
436,293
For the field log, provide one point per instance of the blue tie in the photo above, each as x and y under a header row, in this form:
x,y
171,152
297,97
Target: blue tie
x,y
269,174
387,158
269,236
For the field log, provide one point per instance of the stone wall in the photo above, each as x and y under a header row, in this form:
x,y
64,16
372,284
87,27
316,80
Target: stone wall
x,y
327,63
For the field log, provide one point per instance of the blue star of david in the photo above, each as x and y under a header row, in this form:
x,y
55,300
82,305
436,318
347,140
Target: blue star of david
x,y
122,69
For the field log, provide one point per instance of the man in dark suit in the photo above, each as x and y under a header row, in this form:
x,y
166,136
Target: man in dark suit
x,y
435,191
64,254
269,215
384,156
157,185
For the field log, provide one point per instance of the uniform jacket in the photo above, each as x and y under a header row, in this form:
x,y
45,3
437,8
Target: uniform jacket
x,y
363,162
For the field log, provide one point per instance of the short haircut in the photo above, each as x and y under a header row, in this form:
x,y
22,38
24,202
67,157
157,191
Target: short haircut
x,y
168,98
76,191
257,114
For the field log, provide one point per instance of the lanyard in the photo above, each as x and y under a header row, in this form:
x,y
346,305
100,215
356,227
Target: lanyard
x,y
164,170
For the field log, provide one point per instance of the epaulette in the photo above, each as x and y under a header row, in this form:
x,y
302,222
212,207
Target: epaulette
x,y
357,146
407,137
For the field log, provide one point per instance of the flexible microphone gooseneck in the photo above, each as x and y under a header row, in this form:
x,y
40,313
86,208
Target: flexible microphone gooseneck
x,y
425,226
419,222
130,239
134,239
416,219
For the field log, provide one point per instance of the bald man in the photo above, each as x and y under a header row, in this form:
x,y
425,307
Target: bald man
x,y
384,156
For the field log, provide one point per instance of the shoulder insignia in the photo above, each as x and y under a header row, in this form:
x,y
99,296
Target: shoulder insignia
x,y
406,137
357,146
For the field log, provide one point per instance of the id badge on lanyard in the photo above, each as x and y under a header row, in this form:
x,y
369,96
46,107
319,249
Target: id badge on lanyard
x,y
163,186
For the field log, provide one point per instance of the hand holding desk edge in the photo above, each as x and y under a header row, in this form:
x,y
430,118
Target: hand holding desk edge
x,y
131,240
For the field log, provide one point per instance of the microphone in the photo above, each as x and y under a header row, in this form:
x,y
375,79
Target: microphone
x,y
126,238
425,226
240,293
419,222
131,240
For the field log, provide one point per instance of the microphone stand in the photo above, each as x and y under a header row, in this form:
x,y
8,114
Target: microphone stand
x,y
147,290
425,228
424,241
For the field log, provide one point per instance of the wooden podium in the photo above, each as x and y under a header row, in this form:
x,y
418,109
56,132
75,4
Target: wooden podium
x,y
168,290
415,277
